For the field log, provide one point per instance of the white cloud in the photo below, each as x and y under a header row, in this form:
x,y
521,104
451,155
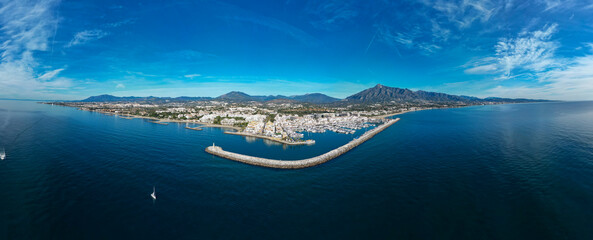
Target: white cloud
x,y
464,13
332,15
439,33
534,51
549,4
192,76
120,23
561,5
531,57
531,51
408,40
86,36
120,86
429,48
572,81
26,27
481,69
50,74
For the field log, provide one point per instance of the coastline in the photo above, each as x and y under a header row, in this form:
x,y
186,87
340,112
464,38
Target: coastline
x,y
165,121
219,126
304,163
307,142
398,113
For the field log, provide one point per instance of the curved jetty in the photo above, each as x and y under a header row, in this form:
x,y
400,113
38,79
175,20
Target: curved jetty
x,y
294,164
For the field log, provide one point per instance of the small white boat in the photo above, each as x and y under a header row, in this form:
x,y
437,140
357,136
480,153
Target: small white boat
x,y
2,154
153,194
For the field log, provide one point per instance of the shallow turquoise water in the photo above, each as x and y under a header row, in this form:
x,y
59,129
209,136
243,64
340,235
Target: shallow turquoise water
x,y
505,172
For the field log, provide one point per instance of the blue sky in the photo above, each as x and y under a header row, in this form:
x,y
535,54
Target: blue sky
x,y
73,49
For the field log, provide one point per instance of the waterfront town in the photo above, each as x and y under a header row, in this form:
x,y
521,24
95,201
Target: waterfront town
x,y
279,118
281,122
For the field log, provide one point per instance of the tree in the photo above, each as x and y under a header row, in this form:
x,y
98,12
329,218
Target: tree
x,y
217,120
271,118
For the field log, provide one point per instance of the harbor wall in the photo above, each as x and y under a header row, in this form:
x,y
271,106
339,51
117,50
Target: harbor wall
x,y
295,164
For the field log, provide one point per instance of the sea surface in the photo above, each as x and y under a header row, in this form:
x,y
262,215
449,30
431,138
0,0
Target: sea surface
x,y
516,171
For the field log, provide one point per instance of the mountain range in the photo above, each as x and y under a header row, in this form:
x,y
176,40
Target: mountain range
x,y
235,96
376,94
382,94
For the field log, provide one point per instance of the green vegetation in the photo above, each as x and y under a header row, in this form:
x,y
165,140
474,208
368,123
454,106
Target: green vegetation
x,y
217,120
271,118
242,125
304,111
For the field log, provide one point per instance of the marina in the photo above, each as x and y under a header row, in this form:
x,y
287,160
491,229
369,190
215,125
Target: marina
x,y
306,142
304,163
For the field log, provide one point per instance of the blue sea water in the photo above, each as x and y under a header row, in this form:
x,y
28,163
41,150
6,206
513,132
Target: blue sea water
x,y
517,171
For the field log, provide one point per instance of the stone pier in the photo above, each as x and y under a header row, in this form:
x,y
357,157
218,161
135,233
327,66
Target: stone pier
x,y
294,164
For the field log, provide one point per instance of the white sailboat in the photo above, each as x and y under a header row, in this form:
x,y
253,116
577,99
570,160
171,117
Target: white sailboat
x,y
153,194
2,154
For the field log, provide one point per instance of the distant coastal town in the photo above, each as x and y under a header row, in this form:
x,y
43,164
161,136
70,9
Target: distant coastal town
x,y
258,120
280,118
283,119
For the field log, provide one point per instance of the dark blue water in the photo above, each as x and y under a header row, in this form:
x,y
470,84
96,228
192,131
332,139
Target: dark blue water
x,y
522,171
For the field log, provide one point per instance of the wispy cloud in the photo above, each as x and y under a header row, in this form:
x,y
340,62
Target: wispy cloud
x,y
332,14
573,81
440,33
50,74
86,36
531,51
192,76
95,34
562,5
531,57
26,28
409,40
464,13
120,23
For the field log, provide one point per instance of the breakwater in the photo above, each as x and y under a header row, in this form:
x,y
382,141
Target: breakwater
x,y
194,128
159,122
295,164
